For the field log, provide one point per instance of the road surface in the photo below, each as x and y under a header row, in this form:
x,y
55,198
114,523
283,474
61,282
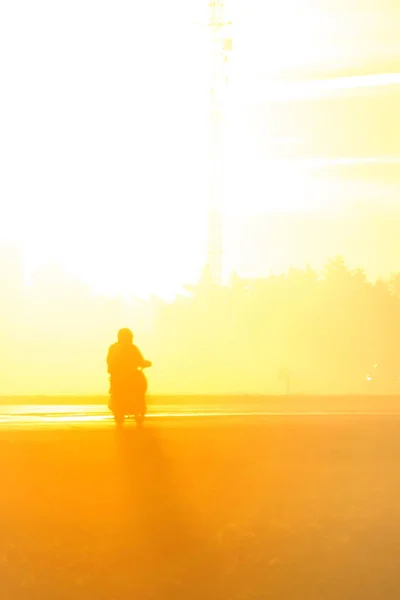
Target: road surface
x,y
220,507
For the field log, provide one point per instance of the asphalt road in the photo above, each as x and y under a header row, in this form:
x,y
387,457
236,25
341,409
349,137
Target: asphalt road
x,y
225,507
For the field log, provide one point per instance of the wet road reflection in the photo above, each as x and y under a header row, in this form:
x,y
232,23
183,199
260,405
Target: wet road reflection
x,y
98,414
65,415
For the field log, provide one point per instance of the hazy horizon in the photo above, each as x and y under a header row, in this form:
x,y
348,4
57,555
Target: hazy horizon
x,y
106,189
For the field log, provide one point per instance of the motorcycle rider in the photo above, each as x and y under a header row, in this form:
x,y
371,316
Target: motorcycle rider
x,y
124,360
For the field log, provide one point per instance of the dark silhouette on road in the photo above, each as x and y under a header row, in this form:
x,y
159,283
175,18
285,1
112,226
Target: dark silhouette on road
x,y
128,384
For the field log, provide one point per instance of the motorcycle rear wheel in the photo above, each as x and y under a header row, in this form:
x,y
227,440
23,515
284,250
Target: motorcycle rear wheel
x,y
119,418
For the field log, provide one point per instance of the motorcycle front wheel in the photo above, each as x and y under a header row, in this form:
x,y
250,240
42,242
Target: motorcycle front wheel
x,y
139,419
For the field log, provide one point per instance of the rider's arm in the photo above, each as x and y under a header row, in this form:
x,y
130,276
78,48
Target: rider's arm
x,y
143,363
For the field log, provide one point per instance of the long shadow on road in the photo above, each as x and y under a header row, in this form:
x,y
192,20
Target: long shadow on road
x,y
160,534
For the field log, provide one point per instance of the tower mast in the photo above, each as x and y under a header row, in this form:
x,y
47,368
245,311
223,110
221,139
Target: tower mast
x,y
221,45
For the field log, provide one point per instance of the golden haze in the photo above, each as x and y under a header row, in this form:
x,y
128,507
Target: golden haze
x,y
104,149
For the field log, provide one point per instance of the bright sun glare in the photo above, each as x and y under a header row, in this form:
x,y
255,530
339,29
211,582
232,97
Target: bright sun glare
x,y
106,123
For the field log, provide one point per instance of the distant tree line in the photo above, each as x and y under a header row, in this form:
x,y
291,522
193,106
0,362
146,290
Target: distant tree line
x,y
303,331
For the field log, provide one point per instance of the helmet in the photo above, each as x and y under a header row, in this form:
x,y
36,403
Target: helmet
x,y
125,336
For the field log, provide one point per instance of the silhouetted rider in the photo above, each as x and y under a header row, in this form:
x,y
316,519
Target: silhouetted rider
x,y
124,358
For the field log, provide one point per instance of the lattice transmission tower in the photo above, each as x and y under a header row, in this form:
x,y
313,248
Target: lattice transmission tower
x,y
220,49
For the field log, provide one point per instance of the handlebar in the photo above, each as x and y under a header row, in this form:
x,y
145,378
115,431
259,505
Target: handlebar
x,y
147,364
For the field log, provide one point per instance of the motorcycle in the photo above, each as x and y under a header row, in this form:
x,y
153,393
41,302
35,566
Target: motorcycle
x,y
128,397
